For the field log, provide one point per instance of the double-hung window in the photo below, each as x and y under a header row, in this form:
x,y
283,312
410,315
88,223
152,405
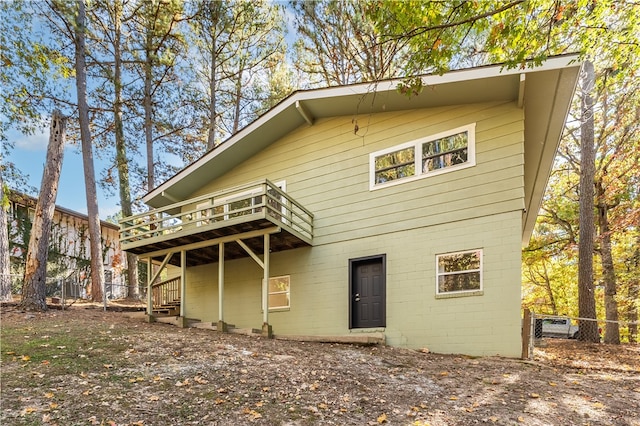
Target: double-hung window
x,y
440,153
279,292
459,272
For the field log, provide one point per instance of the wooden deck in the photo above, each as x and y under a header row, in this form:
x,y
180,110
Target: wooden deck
x,y
244,211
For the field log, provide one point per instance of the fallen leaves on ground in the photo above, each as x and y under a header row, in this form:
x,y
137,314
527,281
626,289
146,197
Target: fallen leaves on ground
x,y
85,366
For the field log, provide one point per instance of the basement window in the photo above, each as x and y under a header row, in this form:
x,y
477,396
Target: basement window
x,y
424,157
279,293
459,273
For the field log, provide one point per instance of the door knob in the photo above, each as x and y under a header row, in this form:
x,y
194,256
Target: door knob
x,y
357,297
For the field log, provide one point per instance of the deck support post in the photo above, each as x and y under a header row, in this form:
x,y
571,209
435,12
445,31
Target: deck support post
x,y
222,326
266,328
151,277
182,322
267,331
149,295
264,264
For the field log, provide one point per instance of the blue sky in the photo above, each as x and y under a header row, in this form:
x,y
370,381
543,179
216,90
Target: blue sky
x,y
29,155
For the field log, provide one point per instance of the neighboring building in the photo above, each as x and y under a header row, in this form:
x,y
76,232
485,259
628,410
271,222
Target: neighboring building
x,y
367,212
69,252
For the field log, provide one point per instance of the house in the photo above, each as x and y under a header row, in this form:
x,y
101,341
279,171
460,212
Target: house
x,y
69,255
361,211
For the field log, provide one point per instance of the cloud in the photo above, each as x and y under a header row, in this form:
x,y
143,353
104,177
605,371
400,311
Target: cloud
x,y
108,209
36,142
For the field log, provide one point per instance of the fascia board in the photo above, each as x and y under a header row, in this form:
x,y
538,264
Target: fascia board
x,y
544,125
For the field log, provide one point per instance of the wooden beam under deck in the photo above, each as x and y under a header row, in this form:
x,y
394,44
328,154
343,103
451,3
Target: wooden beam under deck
x,y
203,248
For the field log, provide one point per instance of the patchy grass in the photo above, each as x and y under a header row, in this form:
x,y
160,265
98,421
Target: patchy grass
x,y
64,347
85,366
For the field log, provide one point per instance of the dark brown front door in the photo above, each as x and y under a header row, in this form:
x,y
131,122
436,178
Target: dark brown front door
x,y
368,289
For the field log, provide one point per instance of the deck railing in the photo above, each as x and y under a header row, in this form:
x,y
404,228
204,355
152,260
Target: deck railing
x,y
165,293
218,209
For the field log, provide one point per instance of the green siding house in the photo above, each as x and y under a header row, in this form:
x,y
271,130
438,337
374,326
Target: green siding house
x,y
359,212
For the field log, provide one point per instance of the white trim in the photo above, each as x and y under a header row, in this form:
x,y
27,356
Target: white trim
x,y
304,113
288,292
417,144
202,215
475,291
521,90
242,195
225,201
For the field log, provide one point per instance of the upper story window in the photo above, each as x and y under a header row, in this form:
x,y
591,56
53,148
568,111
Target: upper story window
x,y
440,153
395,165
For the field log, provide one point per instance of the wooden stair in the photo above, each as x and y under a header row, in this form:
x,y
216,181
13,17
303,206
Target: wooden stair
x,y
168,309
166,298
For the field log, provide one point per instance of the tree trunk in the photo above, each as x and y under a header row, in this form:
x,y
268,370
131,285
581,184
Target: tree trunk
x,y
95,240
633,292
214,10
211,135
549,290
237,102
612,329
35,272
632,312
5,261
122,162
586,296
148,106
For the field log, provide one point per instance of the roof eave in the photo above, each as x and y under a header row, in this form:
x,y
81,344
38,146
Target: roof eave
x,y
287,116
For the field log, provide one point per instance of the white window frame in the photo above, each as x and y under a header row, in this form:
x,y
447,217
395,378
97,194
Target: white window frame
x,y
204,212
251,193
470,292
287,292
417,145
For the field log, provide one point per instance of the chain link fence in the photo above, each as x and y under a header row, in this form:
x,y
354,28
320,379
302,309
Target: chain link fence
x,y
537,328
76,287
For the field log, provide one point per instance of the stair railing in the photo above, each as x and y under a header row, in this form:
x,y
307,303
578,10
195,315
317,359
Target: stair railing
x,y
165,292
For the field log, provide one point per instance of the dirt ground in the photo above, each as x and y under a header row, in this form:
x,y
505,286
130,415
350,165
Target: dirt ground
x,y
84,366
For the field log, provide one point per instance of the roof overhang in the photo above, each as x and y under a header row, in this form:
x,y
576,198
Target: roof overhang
x,y
545,93
31,202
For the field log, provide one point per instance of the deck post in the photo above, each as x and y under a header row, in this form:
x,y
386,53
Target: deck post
x,y
183,277
182,321
149,295
266,328
222,326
